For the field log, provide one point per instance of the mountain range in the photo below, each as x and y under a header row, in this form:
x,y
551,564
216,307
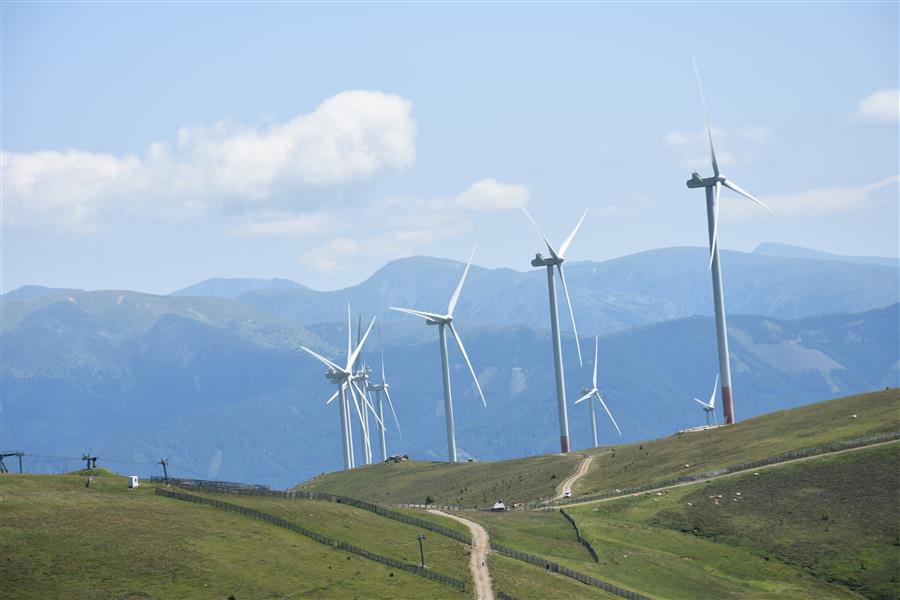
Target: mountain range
x,y
219,385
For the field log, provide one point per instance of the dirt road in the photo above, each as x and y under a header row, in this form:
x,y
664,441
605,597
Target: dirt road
x,y
478,557
568,483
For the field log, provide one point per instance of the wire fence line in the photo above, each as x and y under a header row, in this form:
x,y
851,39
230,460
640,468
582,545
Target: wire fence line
x,y
581,538
323,539
247,490
780,458
557,568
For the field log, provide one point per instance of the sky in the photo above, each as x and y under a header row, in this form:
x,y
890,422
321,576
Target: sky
x,y
148,146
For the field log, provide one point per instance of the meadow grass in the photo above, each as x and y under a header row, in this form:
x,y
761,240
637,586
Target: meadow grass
x,y
462,484
762,437
834,518
524,581
365,529
59,539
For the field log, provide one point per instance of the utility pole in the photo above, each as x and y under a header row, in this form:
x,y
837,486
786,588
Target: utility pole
x,y
164,462
421,537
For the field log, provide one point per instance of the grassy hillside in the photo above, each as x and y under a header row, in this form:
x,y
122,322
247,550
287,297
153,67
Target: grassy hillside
x,y
461,484
59,539
753,439
832,517
528,479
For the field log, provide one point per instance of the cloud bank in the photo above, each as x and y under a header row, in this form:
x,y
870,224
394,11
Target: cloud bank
x,y
348,138
882,106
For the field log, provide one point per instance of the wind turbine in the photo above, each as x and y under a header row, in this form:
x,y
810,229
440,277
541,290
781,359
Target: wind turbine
x,y
443,321
713,186
343,377
379,389
556,259
594,392
710,407
361,374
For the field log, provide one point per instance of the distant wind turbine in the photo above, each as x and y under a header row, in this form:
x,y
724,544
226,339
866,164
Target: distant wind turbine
x,y
713,186
710,407
379,389
556,259
343,377
442,321
594,392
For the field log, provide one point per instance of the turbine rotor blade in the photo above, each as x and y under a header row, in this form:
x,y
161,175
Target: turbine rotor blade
x,y
359,414
381,345
715,231
702,403
586,396
391,404
562,278
335,395
565,244
362,342
609,413
368,404
540,233
712,148
736,188
349,334
712,398
455,297
324,360
418,313
466,356
596,354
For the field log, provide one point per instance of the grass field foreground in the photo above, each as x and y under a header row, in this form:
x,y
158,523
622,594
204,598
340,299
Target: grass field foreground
x,y
832,517
59,539
762,437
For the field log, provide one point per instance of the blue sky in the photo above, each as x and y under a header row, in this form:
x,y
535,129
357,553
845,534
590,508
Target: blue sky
x,y
148,146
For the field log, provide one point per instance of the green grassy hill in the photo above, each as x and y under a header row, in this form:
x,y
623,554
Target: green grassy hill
x,y
833,517
59,539
530,479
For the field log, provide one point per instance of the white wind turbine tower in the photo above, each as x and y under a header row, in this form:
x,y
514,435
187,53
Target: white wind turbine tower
x,y
381,389
443,321
710,407
361,374
594,392
343,377
556,259
713,186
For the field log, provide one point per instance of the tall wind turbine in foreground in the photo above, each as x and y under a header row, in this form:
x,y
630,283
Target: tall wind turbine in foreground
x,y
556,260
710,407
713,186
594,392
447,321
343,377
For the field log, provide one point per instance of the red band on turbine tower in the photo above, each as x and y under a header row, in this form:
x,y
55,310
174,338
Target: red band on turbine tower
x,y
727,406
564,444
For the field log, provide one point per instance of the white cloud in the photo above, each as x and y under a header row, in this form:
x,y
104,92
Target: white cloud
x,y
299,225
347,138
490,194
809,203
406,225
882,106
758,135
694,145
331,257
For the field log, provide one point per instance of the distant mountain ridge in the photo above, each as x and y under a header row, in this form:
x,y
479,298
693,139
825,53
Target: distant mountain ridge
x,y
229,288
613,295
775,249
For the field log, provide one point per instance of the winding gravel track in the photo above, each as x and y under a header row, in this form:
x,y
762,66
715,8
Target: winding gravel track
x,y
568,483
478,558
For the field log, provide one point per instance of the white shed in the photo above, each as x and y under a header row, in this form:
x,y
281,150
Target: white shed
x,y
133,481
498,506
